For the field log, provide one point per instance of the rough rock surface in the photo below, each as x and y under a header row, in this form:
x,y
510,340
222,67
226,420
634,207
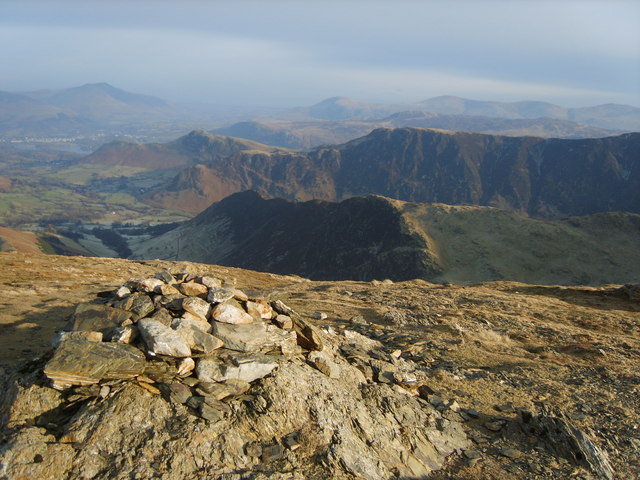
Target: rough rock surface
x,y
476,355
125,416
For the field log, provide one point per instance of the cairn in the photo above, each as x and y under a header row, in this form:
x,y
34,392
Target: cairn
x,y
193,339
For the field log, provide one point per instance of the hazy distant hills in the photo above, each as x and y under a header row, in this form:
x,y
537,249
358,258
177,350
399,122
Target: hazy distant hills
x,y
310,133
340,119
100,108
534,176
20,114
609,116
101,101
82,110
364,238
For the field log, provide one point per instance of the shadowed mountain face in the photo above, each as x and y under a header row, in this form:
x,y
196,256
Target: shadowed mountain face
x,y
534,176
371,237
360,238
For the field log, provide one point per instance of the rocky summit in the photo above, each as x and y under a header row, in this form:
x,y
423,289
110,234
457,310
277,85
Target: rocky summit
x,y
152,385
175,370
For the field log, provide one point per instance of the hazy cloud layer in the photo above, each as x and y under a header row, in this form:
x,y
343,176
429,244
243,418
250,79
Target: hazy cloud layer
x,y
292,53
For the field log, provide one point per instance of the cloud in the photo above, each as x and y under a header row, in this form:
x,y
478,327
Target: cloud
x,y
299,52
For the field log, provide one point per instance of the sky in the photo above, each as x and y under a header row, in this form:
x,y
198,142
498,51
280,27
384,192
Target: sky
x,y
292,53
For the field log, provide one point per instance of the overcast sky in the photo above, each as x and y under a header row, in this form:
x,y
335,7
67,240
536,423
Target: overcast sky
x,y
288,53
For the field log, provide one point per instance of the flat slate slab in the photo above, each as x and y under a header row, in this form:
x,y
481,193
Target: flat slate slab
x,y
98,318
79,362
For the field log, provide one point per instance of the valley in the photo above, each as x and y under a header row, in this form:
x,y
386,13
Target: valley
x,y
541,203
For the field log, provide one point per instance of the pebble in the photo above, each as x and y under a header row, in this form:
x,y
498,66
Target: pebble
x,y
511,453
186,366
283,321
271,453
494,426
324,363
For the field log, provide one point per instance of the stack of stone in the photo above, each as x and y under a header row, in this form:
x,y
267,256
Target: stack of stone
x,y
192,338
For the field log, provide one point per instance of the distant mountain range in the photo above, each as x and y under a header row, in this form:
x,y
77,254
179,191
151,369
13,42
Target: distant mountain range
x,y
102,108
609,116
539,177
313,133
75,111
372,237
101,101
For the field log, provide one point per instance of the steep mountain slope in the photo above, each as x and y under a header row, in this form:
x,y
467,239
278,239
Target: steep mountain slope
x,y
539,177
364,238
360,238
196,147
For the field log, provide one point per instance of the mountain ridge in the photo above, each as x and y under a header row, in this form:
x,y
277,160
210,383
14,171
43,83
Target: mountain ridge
x,y
374,237
533,176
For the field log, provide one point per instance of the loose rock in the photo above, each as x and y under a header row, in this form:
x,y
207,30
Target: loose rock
x,y
226,313
196,306
83,363
247,367
162,340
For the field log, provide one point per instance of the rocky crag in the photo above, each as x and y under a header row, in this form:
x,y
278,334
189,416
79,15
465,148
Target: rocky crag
x,y
549,178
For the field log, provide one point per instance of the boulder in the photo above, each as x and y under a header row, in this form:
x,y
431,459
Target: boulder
x,y
141,306
196,336
193,289
283,321
210,282
253,337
